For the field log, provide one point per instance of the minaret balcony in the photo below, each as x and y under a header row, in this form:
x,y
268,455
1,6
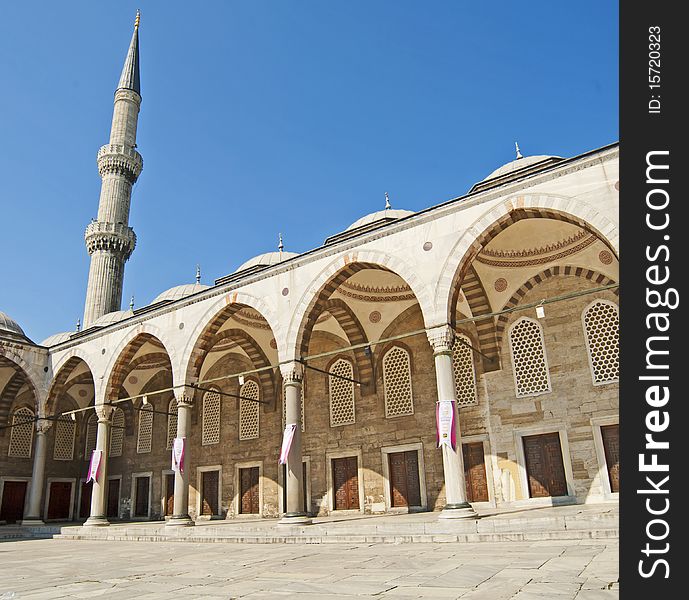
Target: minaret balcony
x,y
113,237
121,160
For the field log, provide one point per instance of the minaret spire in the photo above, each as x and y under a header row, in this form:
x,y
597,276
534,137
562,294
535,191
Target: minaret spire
x,y
109,239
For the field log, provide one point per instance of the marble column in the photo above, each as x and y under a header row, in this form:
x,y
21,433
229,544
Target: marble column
x,y
180,514
456,505
292,378
32,509
99,491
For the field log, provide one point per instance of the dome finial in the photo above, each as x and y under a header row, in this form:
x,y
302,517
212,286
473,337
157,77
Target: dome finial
x,y
131,303
78,324
137,20
519,154
281,246
198,274
388,206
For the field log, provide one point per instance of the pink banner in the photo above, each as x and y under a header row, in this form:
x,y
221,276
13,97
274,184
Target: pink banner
x,y
287,438
178,447
445,424
94,465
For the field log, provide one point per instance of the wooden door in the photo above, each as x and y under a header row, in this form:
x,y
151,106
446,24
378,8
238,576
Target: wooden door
x,y
544,466
209,492
60,496
345,483
475,472
249,499
284,487
405,489
611,445
113,499
141,501
85,499
13,497
169,494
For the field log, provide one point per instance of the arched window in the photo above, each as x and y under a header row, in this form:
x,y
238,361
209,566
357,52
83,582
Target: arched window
x,y
21,439
143,442
531,377
601,320
397,382
284,405
249,411
65,429
341,393
117,432
465,375
171,423
210,421
91,433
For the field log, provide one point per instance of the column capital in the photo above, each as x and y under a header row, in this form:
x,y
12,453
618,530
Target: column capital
x,y
441,339
42,426
104,412
292,372
184,396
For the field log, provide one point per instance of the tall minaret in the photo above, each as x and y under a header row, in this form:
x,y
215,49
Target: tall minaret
x,y
109,239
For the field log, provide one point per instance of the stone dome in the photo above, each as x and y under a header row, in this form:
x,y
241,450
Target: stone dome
x,y
9,325
266,260
57,338
180,291
389,214
519,163
112,317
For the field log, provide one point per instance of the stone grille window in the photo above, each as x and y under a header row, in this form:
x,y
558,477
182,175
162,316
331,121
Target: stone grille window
x,y
341,394
91,432
117,432
143,443
284,406
21,439
248,411
602,329
397,383
463,368
210,422
171,423
63,449
531,377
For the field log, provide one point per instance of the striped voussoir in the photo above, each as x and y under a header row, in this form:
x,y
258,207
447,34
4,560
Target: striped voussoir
x,y
476,297
9,392
122,367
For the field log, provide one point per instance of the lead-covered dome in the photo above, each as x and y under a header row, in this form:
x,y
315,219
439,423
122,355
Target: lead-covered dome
x,y
10,326
520,163
266,260
389,214
57,338
112,317
180,291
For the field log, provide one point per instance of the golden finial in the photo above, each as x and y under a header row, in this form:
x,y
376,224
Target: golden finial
x,y
138,19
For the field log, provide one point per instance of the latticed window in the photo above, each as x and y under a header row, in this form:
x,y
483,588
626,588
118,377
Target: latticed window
x,y
463,368
117,432
171,423
91,433
531,376
21,439
63,449
602,329
284,406
143,442
341,393
210,421
249,411
397,382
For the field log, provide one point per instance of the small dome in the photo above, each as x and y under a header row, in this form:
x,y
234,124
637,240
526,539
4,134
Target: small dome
x,y
266,260
389,214
179,292
112,317
57,338
9,325
519,163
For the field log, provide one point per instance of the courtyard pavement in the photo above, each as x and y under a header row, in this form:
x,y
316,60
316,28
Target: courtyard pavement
x,y
557,570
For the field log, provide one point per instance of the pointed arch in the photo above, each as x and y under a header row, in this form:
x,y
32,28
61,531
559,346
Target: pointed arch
x,y
59,383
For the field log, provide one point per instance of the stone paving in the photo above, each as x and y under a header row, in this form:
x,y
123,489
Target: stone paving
x,y
559,570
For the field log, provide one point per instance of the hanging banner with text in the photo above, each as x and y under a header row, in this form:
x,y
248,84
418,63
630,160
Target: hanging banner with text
x,y
178,447
445,423
94,465
287,438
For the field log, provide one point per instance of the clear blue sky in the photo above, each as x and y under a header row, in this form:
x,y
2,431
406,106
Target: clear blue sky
x,y
267,116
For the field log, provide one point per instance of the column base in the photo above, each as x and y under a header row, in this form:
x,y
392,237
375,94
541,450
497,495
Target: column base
x,y
32,522
461,510
97,522
180,521
295,519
